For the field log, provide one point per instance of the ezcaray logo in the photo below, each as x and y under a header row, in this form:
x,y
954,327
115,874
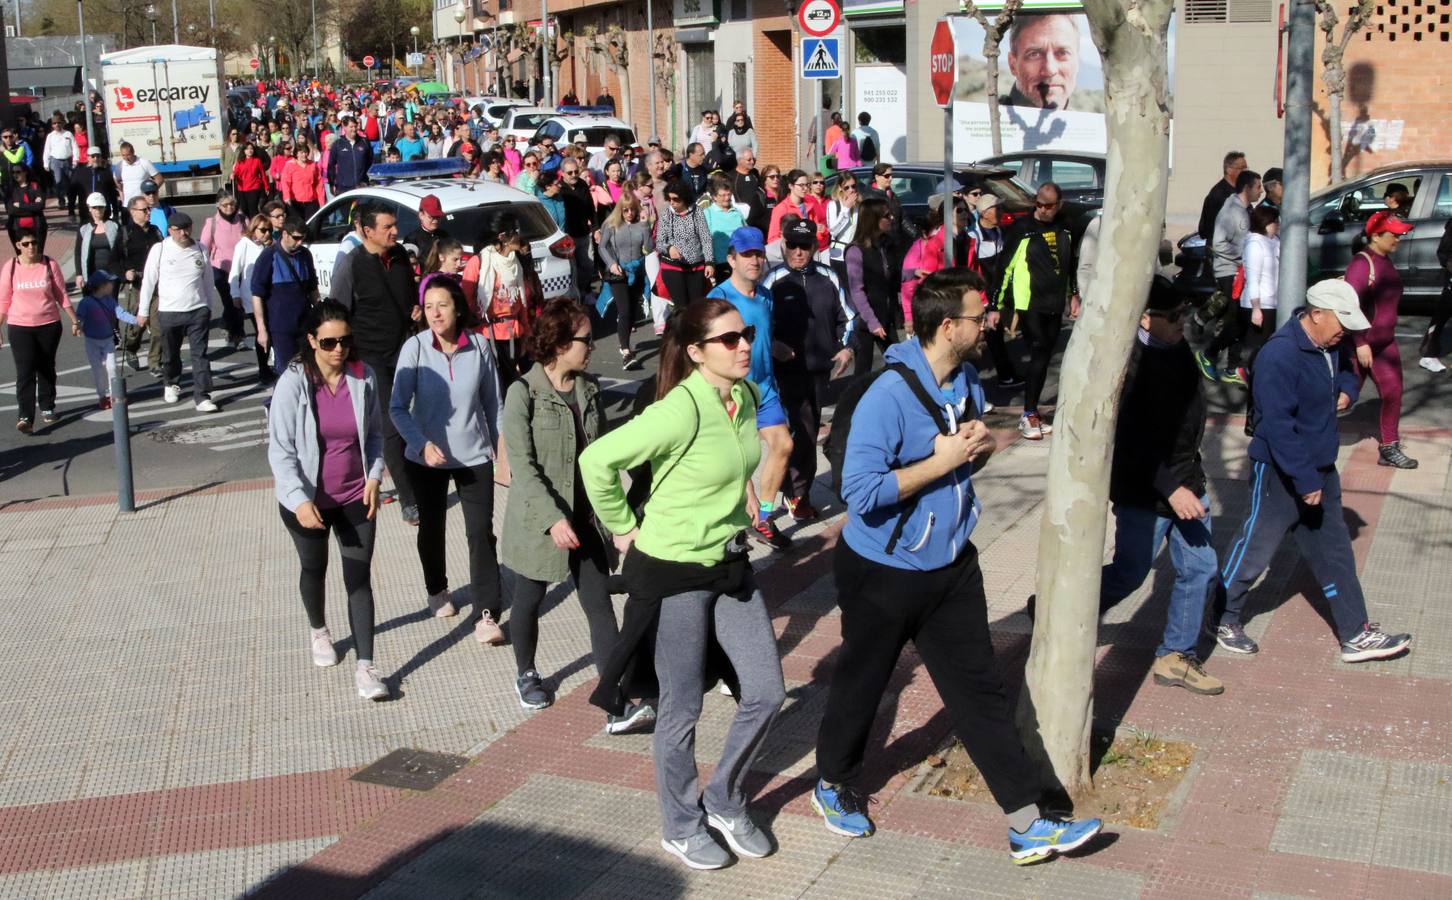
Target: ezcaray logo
x,y
173,94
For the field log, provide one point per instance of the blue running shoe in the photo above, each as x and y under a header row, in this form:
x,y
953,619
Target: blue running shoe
x,y
843,808
1206,367
1046,837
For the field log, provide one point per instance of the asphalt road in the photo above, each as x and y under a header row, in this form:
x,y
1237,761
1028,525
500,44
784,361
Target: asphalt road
x,y
172,445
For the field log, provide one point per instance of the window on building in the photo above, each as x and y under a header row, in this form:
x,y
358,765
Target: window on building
x,y
1231,11
736,10
738,83
886,45
700,80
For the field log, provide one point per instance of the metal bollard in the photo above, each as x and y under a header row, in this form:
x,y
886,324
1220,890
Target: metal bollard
x,y
121,437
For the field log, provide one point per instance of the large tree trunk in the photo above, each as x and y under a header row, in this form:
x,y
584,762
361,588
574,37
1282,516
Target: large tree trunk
x,y
1056,707
1337,143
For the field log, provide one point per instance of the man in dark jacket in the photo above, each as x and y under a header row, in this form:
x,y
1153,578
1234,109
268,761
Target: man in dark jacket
x,y
1303,376
579,222
1157,486
746,188
1215,199
349,159
430,227
811,327
95,178
135,237
1038,282
377,283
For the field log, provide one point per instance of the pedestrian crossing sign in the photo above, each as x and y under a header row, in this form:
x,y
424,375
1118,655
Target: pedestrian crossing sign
x,y
821,57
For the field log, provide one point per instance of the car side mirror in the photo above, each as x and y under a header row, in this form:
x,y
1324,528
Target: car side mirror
x,y
1332,224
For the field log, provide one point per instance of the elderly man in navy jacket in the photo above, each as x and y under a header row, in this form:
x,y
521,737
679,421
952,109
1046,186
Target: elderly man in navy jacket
x,y
1302,378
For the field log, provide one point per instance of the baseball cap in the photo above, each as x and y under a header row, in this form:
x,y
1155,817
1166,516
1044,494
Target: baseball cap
x,y
179,219
655,140
94,151
98,278
746,239
935,202
985,203
578,137
148,187
800,233
1386,220
1163,296
1336,295
1272,176
95,199
430,204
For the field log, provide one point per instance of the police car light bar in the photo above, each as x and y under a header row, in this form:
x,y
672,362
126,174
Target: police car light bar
x,y
381,173
587,110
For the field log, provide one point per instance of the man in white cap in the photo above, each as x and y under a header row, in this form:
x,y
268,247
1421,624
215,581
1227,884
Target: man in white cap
x,y
1303,376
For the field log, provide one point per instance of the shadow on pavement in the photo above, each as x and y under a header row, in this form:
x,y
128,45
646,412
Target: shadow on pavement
x,y
486,859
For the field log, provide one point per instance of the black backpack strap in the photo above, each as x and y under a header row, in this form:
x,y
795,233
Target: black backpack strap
x,y
914,384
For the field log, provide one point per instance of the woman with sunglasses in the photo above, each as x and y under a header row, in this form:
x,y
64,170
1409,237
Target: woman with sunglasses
x,y
625,242
550,532
683,240
505,290
842,212
32,296
742,136
436,144
302,182
248,250
815,204
528,178
26,209
325,446
513,162
794,203
690,581
446,404
231,150
607,193
870,283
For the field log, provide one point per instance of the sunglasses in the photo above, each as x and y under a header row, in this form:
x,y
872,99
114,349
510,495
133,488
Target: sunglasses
x,y
296,237
26,244
587,340
329,344
731,339
818,182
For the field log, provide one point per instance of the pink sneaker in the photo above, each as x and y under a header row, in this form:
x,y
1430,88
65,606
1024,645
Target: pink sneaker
x,y
488,631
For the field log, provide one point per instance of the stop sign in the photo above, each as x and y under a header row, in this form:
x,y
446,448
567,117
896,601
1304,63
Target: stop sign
x,y
943,64
368,62
253,63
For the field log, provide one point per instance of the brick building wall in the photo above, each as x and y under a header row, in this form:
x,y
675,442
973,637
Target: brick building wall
x,y
775,79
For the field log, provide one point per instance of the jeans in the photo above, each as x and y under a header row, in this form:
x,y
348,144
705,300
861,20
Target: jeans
x,y
743,629
475,487
584,267
590,571
60,171
284,318
354,532
192,325
1276,508
626,295
34,348
101,354
944,612
1138,535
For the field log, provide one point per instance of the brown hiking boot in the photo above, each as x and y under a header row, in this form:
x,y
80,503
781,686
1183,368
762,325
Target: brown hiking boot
x,y
1180,670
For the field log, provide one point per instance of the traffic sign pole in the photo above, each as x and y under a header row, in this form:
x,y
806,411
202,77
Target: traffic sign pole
x,y
943,75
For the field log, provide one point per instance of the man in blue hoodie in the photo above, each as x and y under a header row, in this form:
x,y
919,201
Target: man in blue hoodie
x,y
906,571
1302,378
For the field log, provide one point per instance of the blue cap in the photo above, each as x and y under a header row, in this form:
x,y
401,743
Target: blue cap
x,y
745,239
100,277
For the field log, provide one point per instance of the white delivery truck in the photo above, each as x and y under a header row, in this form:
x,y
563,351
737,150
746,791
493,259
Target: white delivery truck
x,y
168,103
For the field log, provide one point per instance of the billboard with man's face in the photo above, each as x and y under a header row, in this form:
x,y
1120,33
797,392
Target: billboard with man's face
x,y
1050,86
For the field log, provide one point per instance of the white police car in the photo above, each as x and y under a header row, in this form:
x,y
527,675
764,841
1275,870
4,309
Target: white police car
x,y
566,129
468,206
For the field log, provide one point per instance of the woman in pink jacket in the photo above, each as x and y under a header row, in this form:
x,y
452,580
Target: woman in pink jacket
x,y
302,182
32,295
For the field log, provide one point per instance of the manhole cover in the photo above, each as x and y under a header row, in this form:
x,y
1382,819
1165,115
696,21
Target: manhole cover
x,y
412,770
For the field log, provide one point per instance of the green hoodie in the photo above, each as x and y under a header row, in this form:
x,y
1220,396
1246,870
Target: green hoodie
x,y
700,462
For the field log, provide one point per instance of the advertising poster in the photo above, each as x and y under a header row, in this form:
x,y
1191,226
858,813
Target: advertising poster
x,y
1050,86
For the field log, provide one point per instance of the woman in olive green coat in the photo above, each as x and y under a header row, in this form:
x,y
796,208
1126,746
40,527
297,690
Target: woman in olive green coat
x,y
550,532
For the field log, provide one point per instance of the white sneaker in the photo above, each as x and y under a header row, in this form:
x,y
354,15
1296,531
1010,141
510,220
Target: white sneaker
x,y
206,405
323,653
171,394
988,407
441,606
1431,364
370,686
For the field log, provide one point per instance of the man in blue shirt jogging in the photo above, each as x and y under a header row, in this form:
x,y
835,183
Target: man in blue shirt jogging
x,y
747,255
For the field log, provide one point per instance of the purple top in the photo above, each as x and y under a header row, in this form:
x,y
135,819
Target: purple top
x,y
1380,288
340,477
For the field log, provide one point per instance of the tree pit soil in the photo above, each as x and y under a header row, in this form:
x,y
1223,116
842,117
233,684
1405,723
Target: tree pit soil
x,y
1135,776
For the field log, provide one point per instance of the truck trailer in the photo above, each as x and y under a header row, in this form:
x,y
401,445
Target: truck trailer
x,y
168,102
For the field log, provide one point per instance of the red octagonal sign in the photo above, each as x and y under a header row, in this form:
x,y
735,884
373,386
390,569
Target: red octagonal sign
x,y
943,64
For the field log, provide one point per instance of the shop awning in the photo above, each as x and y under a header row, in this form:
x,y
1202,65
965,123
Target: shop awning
x,y
47,80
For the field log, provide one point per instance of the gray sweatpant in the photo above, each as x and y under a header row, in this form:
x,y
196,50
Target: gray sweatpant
x,y
744,631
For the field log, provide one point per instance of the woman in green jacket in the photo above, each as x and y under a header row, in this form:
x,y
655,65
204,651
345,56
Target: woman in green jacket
x,y
550,532
687,554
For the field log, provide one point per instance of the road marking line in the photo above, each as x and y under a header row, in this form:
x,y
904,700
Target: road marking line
x,y
241,445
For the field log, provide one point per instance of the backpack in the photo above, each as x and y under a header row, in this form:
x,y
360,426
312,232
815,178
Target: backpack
x,y
868,151
835,446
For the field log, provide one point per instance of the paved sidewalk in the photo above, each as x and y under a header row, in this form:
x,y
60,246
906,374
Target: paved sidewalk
x,y
167,735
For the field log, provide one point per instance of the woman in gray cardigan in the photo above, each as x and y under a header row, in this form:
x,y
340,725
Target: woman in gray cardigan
x,y
550,532
625,239
95,240
325,445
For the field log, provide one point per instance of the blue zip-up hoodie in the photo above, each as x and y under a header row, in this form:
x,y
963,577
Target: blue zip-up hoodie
x,y
891,430
1294,412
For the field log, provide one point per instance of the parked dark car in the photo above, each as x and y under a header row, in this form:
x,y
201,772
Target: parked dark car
x,y
914,183
1079,175
1338,215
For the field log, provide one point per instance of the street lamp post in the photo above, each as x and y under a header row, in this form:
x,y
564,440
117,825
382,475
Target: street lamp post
x,y
459,52
85,72
314,5
414,31
547,53
272,63
650,61
151,14
175,25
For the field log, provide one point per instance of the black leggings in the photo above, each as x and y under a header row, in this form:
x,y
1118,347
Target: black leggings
x,y
1432,340
628,295
34,348
685,285
590,572
250,202
475,486
353,530
1041,333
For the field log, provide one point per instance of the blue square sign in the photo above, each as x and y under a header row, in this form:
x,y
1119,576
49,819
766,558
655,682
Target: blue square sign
x,y
821,57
